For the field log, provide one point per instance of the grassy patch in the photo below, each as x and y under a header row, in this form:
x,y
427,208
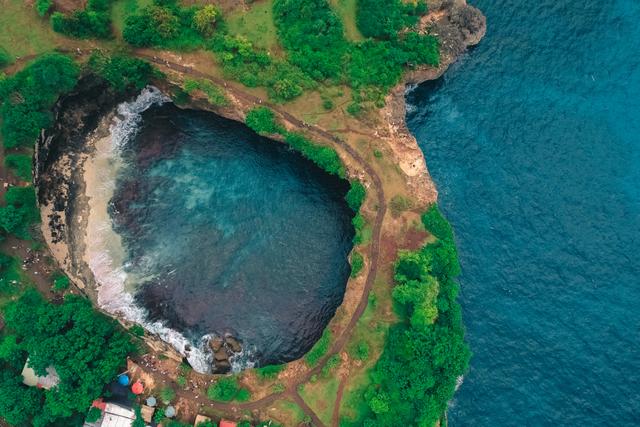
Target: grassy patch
x,y
214,94
256,25
23,32
123,8
346,9
319,349
320,396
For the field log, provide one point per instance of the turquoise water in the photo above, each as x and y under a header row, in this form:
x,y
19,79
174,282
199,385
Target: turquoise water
x,y
228,232
533,139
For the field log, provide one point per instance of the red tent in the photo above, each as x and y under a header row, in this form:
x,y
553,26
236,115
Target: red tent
x,y
225,423
137,388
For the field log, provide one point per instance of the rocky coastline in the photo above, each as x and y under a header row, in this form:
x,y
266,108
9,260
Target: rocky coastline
x,y
62,151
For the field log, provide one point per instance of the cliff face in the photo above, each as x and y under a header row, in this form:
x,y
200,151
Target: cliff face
x,y
458,26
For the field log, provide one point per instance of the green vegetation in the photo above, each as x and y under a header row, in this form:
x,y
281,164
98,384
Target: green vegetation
x,y
269,372
312,33
382,19
137,330
123,72
332,363
357,263
61,282
436,224
359,224
399,204
92,22
43,7
256,25
319,349
9,274
20,164
5,57
227,389
214,94
27,97
19,212
263,121
425,353
168,25
361,351
355,196
93,415
253,67
86,348
167,394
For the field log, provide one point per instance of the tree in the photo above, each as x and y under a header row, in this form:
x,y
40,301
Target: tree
x,y
355,196
86,348
205,19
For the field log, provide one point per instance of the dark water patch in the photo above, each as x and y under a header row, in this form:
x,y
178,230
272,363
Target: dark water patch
x,y
533,142
232,233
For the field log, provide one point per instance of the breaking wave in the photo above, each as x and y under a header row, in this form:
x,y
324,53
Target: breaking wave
x,y
105,255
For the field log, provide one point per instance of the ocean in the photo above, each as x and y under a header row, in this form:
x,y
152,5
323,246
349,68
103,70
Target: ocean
x,y
533,140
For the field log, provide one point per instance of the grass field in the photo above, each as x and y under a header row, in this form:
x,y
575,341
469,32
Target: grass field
x,y
321,396
346,9
256,25
23,31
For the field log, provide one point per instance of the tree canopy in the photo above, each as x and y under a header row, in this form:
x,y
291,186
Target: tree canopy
x,y
86,348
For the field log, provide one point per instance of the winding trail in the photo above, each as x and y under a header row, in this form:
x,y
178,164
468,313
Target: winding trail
x,y
338,345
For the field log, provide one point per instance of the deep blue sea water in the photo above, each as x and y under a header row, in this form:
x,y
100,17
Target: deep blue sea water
x,y
533,139
229,232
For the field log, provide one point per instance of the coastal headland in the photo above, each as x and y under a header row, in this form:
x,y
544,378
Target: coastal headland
x,y
375,148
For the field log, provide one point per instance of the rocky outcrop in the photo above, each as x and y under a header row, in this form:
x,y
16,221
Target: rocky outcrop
x,y
458,26
224,349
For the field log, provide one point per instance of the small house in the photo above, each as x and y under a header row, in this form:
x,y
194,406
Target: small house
x,y
226,423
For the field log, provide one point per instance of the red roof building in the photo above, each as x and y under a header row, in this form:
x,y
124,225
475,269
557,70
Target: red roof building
x,y
226,423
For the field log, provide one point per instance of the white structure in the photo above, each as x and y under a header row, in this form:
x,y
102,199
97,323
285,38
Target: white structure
x,y
30,378
114,415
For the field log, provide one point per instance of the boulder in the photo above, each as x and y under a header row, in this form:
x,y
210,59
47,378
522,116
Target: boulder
x,y
233,344
216,344
221,355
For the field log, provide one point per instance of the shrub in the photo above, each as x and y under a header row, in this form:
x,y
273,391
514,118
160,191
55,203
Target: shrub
x,y
358,223
5,57
313,35
20,211
243,395
123,72
27,97
269,372
361,351
214,94
167,394
436,224
319,349
43,6
383,19
20,164
163,24
357,263
93,415
205,19
137,330
263,121
332,363
224,390
92,22
355,196
61,282
400,204
325,157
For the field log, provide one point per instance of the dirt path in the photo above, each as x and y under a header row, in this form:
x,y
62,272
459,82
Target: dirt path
x,y
335,420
